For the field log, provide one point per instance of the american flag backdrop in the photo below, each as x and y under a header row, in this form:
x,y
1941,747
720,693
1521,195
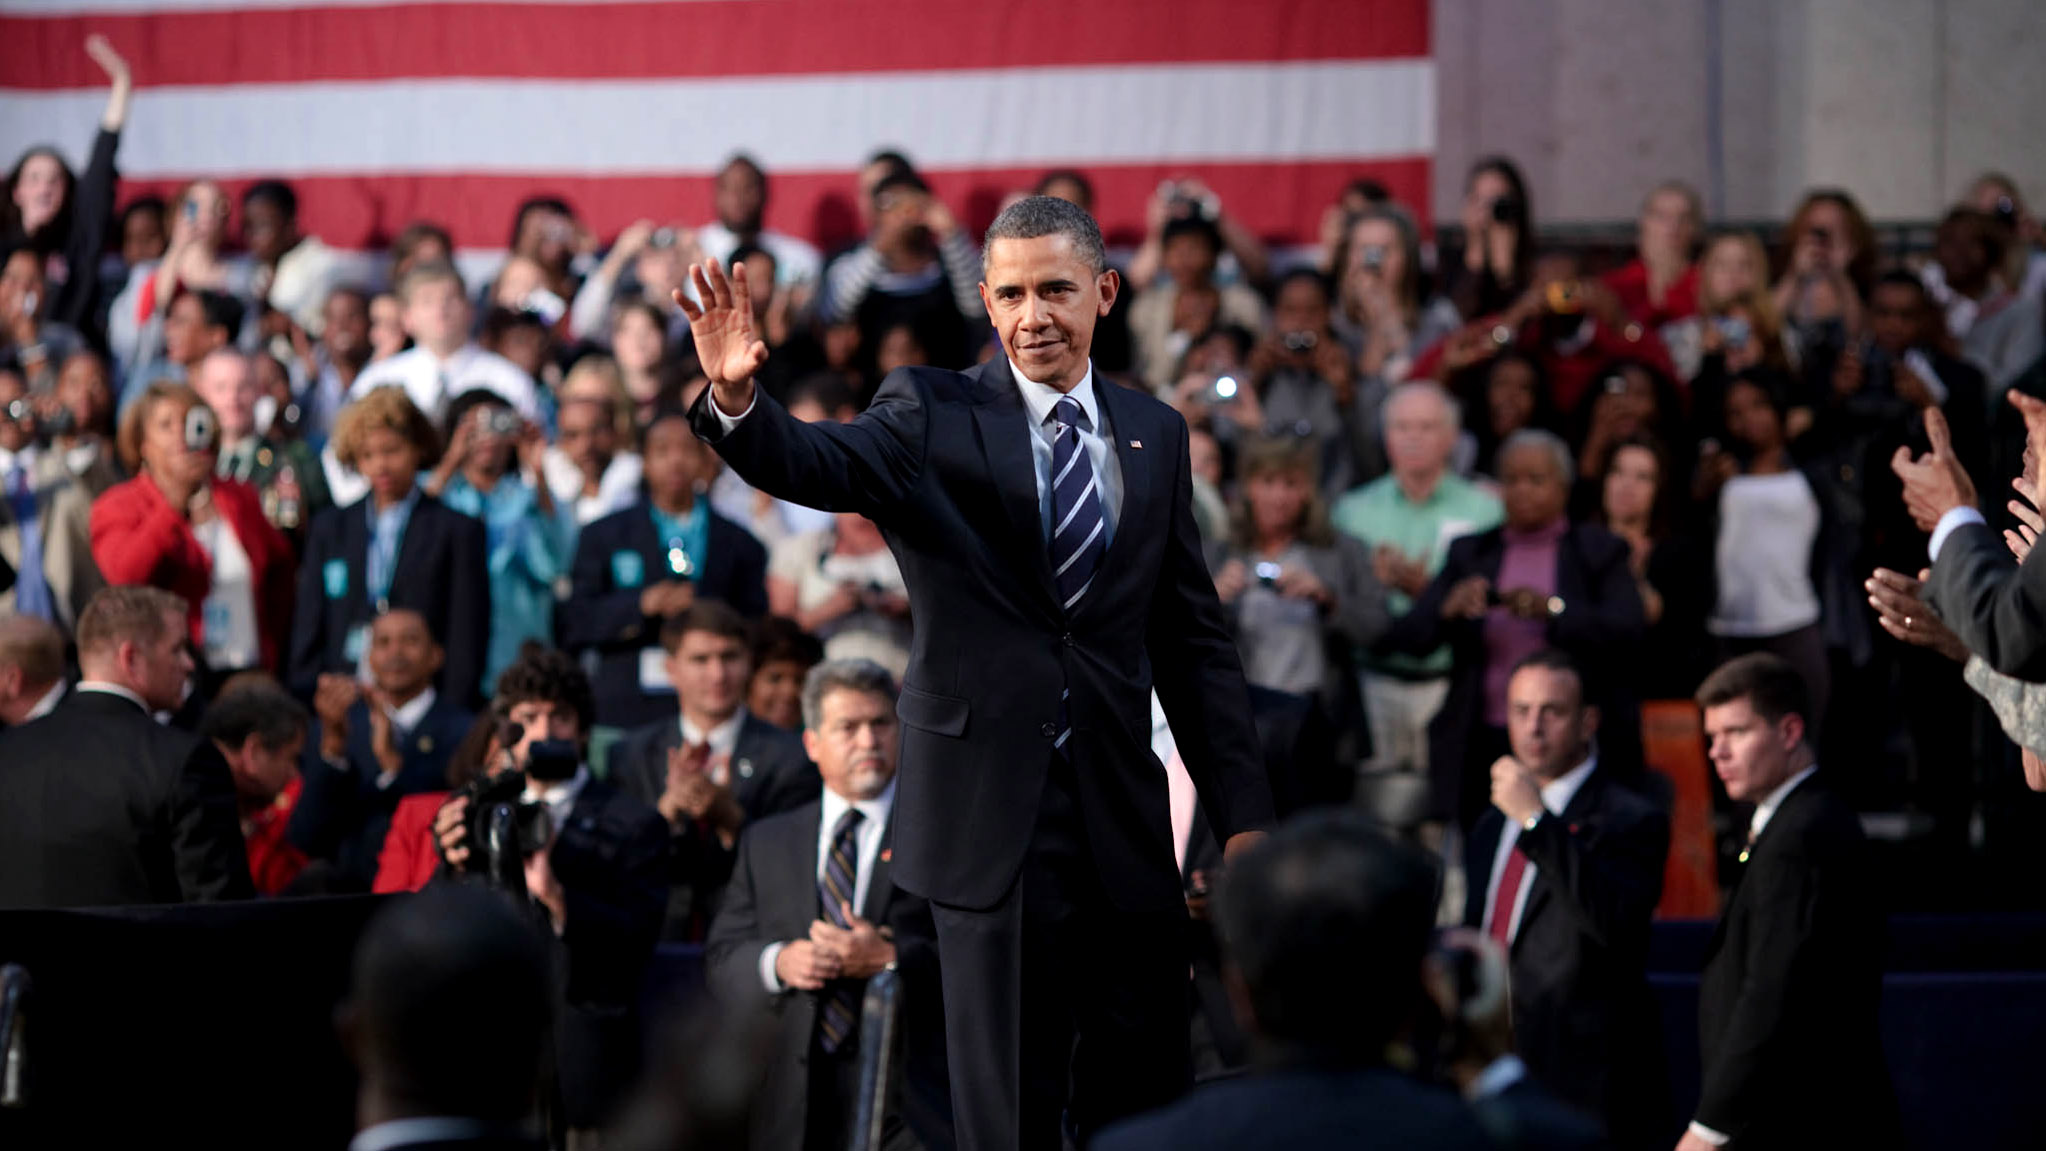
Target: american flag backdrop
x,y
381,113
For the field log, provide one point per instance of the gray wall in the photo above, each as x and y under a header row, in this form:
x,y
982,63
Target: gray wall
x,y
1900,101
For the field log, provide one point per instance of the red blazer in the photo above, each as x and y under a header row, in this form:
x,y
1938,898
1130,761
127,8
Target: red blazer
x,y
410,856
273,861
138,538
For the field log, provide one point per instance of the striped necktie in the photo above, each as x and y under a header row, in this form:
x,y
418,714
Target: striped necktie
x,y
839,1013
1079,536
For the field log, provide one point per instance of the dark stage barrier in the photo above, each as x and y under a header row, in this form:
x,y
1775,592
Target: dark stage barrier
x,y
214,1026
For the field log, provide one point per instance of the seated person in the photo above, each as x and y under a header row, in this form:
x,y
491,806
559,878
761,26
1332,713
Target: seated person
x,y
716,769
260,731
812,914
648,564
376,743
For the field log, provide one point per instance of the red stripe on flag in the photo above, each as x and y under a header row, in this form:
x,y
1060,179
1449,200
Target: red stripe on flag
x,y
708,38
1282,202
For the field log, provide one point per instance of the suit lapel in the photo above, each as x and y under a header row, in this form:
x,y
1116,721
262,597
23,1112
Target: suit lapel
x,y
1485,835
1581,808
1128,430
1004,426
412,547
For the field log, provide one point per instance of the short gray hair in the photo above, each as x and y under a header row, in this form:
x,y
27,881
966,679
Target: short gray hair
x,y
1550,442
861,675
1034,216
1450,407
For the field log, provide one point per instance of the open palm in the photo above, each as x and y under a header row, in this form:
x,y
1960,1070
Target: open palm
x,y
727,342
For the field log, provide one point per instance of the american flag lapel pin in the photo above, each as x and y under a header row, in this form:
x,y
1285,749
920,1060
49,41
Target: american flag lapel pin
x,y
1137,444
887,853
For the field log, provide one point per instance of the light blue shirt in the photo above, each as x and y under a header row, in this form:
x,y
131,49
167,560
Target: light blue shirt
x,y
1095,435
386,536
526,551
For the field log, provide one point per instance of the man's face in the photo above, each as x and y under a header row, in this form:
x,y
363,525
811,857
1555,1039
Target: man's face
x,y
82,387
1751,756
1301,307
228,385
142,237
1190,260
346,331
437,315
1958,249
261,771
542,719
1044,301
187,337
21,285
546,236
740,197
854,743
586,434
386,326
1896,318
266,231
1547,722
160,668
671,458
1418,438
403,658
709,673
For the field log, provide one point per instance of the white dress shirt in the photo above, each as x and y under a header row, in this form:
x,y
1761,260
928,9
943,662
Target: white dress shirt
x,y
617,488
867,848
1556,795
722,740
432,382
559,797
1948,524
47,704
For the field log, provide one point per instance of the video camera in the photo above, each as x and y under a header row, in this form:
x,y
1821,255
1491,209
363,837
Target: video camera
x,y
505,827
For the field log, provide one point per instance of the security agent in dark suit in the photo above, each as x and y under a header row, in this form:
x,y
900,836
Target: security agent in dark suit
x,y
1043,522
1787,1009
99,804
375,744
446,1021
715,768
813,912
33,676
395,547
600,886
1325,926
639,568
1565,871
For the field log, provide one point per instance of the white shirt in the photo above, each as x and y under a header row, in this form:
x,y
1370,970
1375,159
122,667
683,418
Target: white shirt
x,y
559,797
722,738
25,459
617,488
1556,795
47,704
228,617
795,262
432,382
866,847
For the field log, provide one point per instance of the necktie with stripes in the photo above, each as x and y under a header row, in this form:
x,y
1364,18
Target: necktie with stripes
x,y
838,1015
1079,535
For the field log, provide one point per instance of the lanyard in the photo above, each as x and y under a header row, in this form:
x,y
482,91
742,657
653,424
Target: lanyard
x,y
377,579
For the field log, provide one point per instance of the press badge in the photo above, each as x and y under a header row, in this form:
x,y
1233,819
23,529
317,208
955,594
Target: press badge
x,y
356,646
335,575
628,569
653,670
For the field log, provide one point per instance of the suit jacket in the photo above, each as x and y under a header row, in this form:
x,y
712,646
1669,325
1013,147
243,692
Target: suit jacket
x,y
138,538
773,899
1601,626
64,520
618,557
1997,607
343,814
1787,1008
1523,1117
771,773
941,462
100,805
1305,1110
442,573
1583,1018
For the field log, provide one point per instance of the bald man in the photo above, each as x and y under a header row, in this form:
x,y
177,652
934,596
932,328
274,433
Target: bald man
x,y
31,668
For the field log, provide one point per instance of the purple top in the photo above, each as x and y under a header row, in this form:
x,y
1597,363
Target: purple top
x,y
1529,562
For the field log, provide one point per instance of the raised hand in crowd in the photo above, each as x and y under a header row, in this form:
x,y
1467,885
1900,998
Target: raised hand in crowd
x,y
383,732
1899,601
120,78
1231,580
727,342
335,694
1935,483
860,949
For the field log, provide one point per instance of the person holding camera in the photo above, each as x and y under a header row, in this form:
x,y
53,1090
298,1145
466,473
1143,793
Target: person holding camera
x,y
1187,301
45,519
1184,199
1660,284
38,344
586,858
918,266
1386,318
181,527
843,586
1496,263
1829,266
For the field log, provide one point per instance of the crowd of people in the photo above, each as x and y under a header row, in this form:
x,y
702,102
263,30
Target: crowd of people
x,y
405,554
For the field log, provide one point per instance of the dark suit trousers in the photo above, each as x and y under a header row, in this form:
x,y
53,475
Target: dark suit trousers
x,y
1058,1004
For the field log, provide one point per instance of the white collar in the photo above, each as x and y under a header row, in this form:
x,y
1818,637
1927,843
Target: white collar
x,y
722,738
48,703
1497,1076
26,457
875,810
1557,793
408,715
102,686
559,796
393,1133
1766,810
1040,398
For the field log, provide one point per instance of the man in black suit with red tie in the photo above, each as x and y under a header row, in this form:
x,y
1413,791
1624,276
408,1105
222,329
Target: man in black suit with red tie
x,y
1564,872
1791,1053
1043,522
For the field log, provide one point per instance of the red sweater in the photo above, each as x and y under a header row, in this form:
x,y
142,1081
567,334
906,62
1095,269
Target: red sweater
x,y
1630,283
138,538
410,856
273,861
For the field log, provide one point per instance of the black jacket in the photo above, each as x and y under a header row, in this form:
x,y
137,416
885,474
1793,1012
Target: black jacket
x,y
773,899
617,558
1787,1008
1305,1110
100,805
1601,626
770,773
1997,607
443,574
1583,1017
343,813
941,461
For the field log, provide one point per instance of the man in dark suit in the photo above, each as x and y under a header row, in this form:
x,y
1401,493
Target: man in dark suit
x,y
600,886
1043,523
375,744
1787,1010
1565,871
99,804
716,769
813,912
1326,926
446,1020
637,569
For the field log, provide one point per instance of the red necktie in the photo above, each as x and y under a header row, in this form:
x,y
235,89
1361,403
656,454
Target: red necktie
x,y
1506,894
